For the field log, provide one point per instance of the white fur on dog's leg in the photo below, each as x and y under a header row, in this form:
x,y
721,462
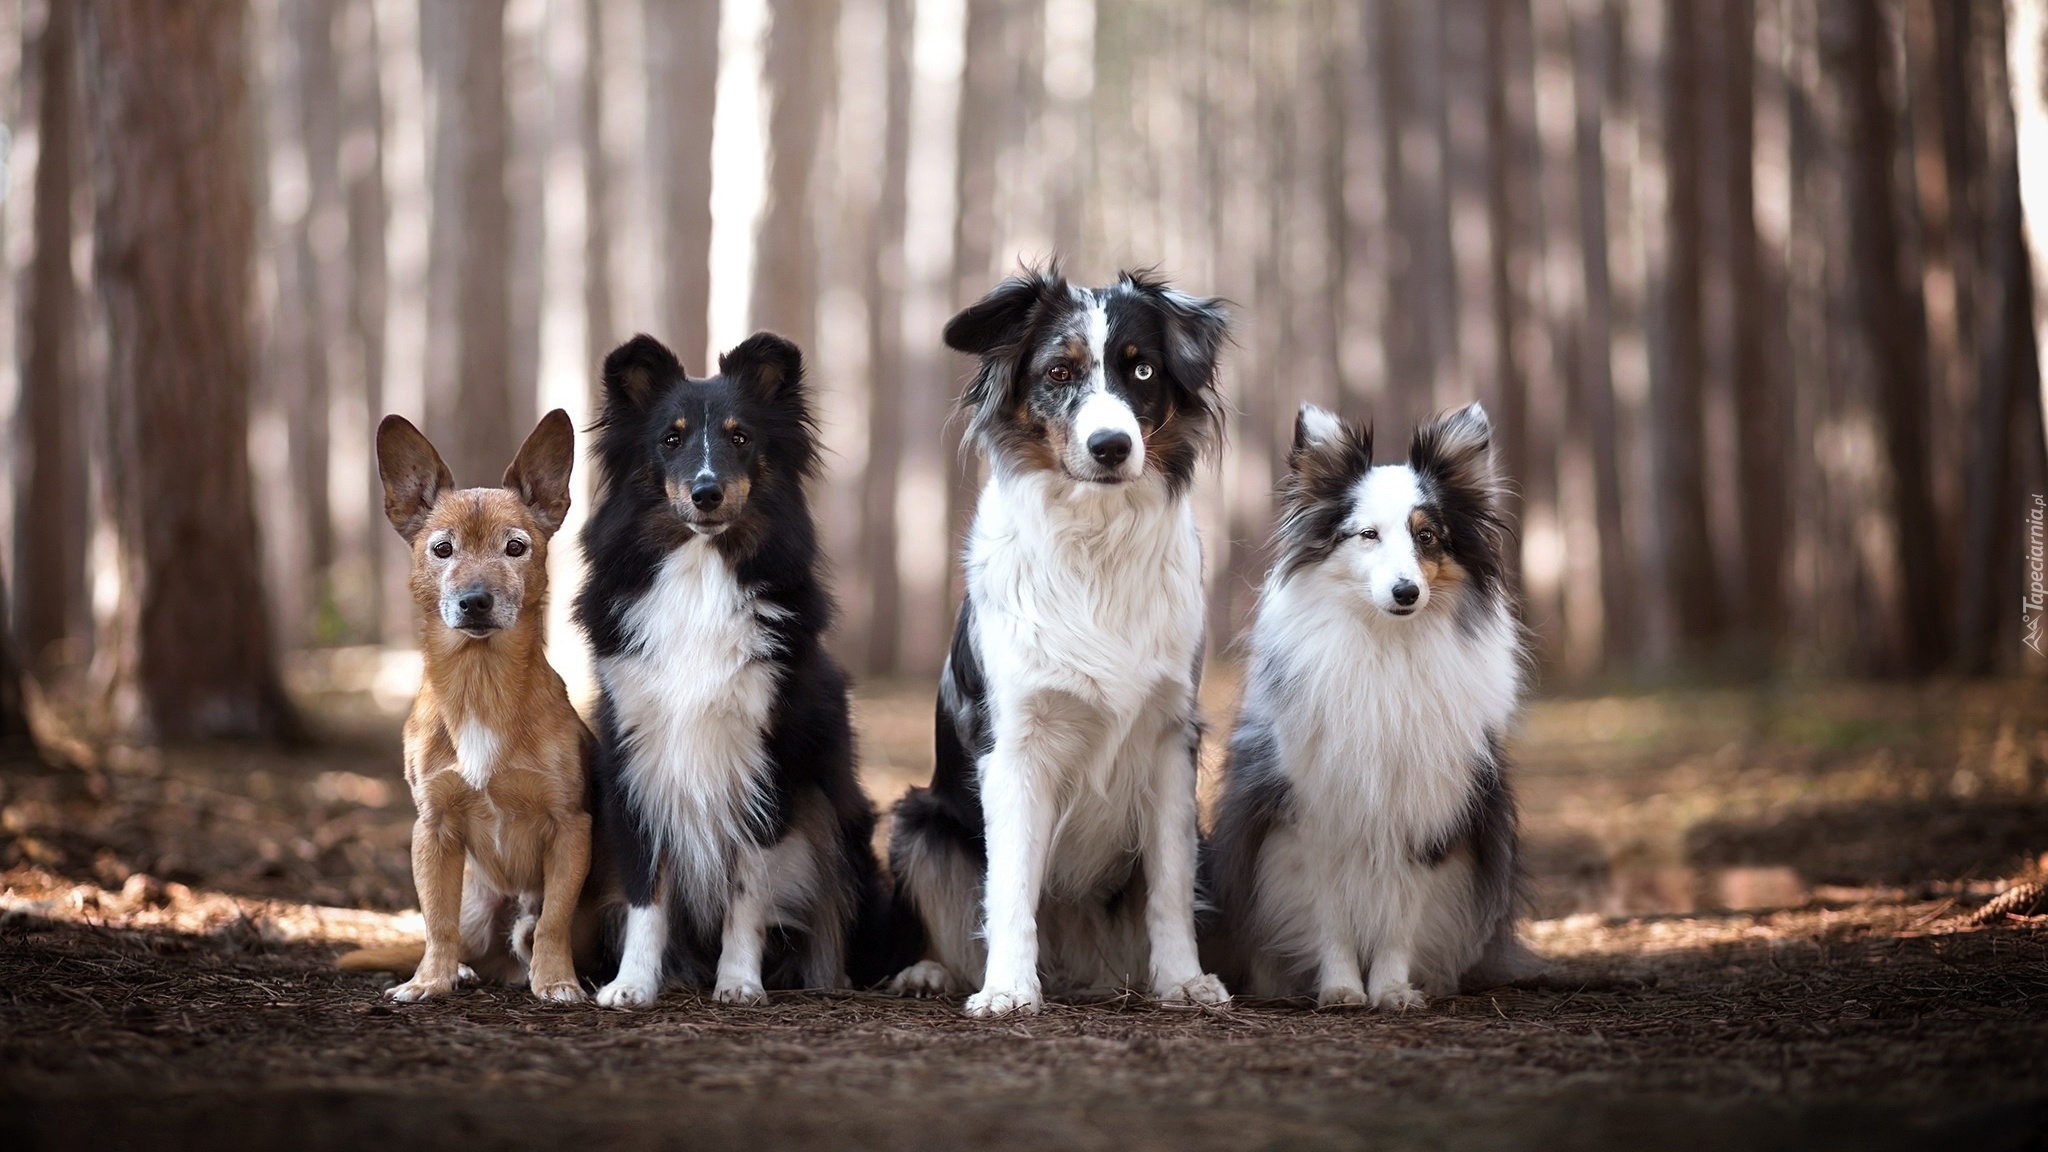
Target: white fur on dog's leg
x,y
522,938
639,980
746,930
922,979
1341,996
1177,976
467,975
1206,990
1339,983
1389,987
993,1002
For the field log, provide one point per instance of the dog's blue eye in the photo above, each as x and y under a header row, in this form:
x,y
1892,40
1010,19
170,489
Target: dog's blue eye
x,y
443,549
672,438
1142,371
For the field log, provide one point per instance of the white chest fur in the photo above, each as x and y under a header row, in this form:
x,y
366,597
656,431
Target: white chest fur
x,y
1380,720
1090,590
691,691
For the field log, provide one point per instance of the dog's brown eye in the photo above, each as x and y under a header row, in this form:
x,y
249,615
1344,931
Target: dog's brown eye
x,y
1369,534
671,438
739,439
1425,537
1060,373
515,548
443,549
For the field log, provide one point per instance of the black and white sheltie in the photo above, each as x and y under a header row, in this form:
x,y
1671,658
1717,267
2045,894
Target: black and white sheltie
x,y
1059,832
725,768
1366,821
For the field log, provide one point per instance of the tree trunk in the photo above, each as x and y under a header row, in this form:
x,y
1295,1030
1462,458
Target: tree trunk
x,y
1760,409
1895,325
191,654
884,291
600,328
682,80
17,739
322,294
1676,392
799,73
51,516
482,438
368,288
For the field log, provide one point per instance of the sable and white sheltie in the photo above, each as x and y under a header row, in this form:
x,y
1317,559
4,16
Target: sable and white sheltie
x,y
725,764
1366,823
1056,844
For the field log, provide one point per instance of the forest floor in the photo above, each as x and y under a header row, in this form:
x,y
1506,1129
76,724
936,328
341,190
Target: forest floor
x,y
1764,908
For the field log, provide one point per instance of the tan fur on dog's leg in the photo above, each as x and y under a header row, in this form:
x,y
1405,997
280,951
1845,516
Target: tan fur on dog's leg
x,y
554,967
437,873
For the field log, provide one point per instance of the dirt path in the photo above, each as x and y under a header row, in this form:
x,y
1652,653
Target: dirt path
x,y
1758,910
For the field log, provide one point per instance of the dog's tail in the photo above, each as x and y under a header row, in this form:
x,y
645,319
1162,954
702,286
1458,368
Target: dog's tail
x,y
398,959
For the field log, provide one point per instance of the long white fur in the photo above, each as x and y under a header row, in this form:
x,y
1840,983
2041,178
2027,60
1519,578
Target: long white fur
x,y
1088,617
1379,720
692,689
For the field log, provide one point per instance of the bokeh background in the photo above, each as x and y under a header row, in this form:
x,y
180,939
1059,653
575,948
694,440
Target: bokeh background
x,y
1745,283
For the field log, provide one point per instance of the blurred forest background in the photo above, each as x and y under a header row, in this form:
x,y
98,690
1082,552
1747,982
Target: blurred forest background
x,y
1746,284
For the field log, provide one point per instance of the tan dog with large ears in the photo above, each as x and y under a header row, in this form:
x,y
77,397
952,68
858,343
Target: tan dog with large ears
x,y
496,756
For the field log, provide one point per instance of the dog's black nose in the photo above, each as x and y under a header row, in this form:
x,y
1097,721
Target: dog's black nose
x,y
707,497
1110,447
1405,593
475,603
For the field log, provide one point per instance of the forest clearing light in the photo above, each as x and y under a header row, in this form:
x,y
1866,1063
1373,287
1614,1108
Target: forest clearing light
x,y
738,169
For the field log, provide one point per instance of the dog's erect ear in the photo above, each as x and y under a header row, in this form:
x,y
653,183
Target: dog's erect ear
x,y
997,319
413,474
1456,449
540,473
637,372
1326,446
765,365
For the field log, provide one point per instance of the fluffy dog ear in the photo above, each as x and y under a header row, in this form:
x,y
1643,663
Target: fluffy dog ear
x,y
997,319
413,475
1195,330
1456,449
1325,444
766,365
540,473
637,372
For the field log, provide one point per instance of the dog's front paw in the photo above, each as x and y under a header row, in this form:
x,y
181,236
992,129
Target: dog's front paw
x,y
924,978
560,991
1205,990
1342,996
628,994
417,989
992,1002
1399,998
742,992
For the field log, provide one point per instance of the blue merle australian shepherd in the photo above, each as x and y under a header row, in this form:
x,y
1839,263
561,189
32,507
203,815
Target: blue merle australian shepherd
x,y
725,768
1364,849
1056,844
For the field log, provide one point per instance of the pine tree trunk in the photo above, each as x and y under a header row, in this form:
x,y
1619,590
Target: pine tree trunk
x,y
682,81
368,287
1894,324
1676,392
17,739
483,438
51,517
800,75
191,653
886,366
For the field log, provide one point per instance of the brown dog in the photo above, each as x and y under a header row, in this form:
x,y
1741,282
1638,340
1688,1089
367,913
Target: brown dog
x,y
496,756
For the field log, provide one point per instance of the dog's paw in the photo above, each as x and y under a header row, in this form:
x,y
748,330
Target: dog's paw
x,y
924,978
628,994
993,1002
1342,996
1399,998
416,989
522,937
742,992
465,975
1205,990
560,991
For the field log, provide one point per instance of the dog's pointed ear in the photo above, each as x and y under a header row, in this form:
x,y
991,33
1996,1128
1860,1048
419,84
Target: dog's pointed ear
x,y
766,365
997,320
1456,447
1320,438
637,372
540,473
413,474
